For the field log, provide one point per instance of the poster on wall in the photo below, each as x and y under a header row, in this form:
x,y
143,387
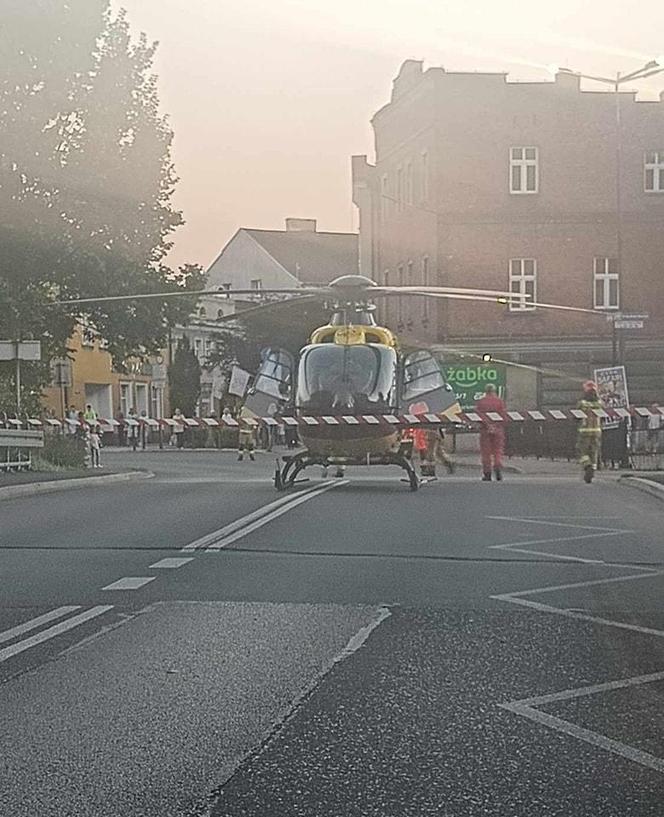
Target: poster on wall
x,y
612,387
470,381
239,381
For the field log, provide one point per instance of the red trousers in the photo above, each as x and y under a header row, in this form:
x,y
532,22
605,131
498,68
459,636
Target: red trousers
x,y
491,449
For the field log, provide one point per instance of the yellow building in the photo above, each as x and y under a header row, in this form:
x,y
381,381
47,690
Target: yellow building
x,y
91,378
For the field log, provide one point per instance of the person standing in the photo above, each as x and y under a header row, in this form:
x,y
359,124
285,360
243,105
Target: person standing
x,y
178,428
94,443
247,438
654,426
589,435
492,436
133,428
90,415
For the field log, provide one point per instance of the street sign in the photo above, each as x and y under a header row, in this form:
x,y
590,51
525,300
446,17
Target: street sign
x,y
20,350
628,323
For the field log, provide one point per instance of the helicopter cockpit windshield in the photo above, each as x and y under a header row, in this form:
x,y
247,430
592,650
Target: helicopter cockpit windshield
x,y
336,379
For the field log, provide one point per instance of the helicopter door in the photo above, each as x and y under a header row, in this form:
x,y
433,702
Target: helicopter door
x,y
273,384
424,388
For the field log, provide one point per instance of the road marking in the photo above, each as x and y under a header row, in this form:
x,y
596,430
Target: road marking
x,y
527,707
533,521
209,538
263,520
51,632
594,738
129,583
59,612
172,562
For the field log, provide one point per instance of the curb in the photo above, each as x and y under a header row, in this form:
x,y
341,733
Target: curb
x,y
34,488
655,489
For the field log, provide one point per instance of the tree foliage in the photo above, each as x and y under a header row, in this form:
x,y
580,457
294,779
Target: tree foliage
x,y
86,179
184,378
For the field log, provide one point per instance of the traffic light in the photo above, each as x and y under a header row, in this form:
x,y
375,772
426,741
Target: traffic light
x,y
486,357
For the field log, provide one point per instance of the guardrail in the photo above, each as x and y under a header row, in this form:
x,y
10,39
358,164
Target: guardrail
x,y
16,447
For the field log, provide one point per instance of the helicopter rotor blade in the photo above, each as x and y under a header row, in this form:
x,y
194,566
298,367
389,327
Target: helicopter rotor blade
x,y
506,300
190,293
428,290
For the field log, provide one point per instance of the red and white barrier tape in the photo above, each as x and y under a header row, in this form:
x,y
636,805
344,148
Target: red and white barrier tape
x,y
393,420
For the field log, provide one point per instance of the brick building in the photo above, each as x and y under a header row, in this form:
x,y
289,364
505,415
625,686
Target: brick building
x,y
479,181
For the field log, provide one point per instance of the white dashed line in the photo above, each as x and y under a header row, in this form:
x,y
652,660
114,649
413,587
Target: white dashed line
x,y
51,632
172,562
129,583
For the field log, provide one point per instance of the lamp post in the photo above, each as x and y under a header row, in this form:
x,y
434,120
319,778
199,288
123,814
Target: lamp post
x,y
651,68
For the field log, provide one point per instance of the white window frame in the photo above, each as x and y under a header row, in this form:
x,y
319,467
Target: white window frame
x,y
521,277
603,273
256,284
126,397
142,397
523,158
198,348
424,182
653,163
156,402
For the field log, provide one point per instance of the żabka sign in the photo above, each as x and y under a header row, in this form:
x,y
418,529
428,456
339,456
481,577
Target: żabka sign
x,y
469,382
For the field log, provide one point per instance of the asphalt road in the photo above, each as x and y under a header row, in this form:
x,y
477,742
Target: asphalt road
x,y
196,644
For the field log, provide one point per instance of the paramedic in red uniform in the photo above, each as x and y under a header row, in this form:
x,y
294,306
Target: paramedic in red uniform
x,y
492,436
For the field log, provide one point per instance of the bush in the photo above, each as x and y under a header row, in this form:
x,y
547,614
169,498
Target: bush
x,y
65,452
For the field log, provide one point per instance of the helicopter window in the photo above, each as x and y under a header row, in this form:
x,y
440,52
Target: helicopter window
x,y
275,374
421,375
335,378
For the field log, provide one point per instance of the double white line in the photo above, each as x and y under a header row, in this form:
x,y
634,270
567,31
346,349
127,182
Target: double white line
x,y
51,632
219,539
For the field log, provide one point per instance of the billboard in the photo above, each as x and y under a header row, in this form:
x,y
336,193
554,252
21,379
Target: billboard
x,y
470,380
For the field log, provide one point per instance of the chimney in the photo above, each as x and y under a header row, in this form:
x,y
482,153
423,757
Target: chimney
x,y
300,225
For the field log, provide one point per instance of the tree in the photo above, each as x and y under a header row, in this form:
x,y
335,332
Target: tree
x,y
86,180
184,378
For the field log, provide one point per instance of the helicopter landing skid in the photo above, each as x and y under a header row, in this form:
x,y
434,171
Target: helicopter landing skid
x,y
285,475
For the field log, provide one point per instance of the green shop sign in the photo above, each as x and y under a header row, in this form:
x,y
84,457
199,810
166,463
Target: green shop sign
x,y
470,381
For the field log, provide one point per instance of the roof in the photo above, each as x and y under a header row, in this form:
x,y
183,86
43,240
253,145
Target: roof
x,y
312,257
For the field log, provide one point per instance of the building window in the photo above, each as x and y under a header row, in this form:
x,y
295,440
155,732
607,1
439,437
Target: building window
x,y
202,313
424,176
225,287
384,198
220,313
523,284
426,282
256,284
606,283
409,183
399,193
654,171
198,347
209,347
156,401
125,398
524,173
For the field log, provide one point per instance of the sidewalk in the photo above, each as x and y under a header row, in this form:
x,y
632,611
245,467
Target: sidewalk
x,y
28,483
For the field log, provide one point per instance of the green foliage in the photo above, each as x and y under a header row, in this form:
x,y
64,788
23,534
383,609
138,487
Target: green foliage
x,y
86,180
63,451
184,378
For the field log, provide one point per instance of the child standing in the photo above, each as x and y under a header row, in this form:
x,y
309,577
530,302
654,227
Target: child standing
x,y
95,447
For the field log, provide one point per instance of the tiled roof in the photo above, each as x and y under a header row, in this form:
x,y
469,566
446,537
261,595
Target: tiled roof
x,y
312,257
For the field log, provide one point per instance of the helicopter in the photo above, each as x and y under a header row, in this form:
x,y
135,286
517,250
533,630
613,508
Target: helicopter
x,y
352,374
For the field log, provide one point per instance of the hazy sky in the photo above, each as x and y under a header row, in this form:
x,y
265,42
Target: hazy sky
x,y
269,98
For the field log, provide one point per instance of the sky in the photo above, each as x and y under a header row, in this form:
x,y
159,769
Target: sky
x,y
268,99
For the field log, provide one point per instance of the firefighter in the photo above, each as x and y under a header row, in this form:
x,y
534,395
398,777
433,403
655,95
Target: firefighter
x,y
589,437
424,442
492,436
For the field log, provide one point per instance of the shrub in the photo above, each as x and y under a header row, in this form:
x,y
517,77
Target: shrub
x,y
64,451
